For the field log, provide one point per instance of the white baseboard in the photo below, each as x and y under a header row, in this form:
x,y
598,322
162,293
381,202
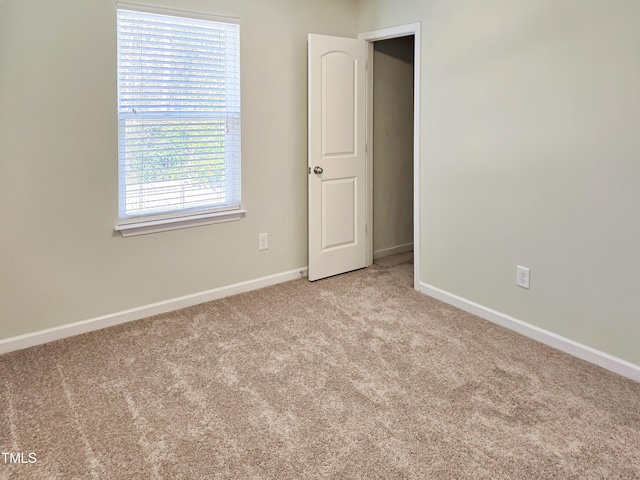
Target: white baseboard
x,y
65,331
386,252
604,360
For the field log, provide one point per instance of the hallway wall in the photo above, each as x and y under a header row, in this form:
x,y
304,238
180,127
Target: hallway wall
x,y
393,144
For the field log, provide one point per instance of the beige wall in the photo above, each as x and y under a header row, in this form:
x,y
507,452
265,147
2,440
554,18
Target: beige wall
x,y
60,261
393,143
531,156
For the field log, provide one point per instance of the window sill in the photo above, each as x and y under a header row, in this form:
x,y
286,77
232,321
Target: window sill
x,y
155,226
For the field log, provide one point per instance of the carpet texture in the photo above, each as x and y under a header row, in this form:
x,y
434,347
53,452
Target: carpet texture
x,y
356,376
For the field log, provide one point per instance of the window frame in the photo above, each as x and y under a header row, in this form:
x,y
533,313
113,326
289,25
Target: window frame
x,y
190,217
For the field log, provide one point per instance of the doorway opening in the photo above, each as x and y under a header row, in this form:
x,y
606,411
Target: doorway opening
x,y
393,160
341,154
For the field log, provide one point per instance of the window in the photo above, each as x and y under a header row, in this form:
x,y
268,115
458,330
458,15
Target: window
x,y
179,119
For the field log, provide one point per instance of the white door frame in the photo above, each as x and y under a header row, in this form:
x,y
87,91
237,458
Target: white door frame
x,y
370,37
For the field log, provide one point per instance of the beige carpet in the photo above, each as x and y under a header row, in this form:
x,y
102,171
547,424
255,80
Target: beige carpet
x,y
357,376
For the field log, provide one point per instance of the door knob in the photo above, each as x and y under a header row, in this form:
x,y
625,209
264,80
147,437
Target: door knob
x,y
318,170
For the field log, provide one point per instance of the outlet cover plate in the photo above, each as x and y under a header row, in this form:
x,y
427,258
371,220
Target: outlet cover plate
x,y
263,241
522,277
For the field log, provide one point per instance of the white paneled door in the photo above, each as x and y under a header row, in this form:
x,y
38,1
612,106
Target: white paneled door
x,y
337,158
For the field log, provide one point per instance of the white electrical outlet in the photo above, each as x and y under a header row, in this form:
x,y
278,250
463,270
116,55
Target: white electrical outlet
x,y
522,277
263,241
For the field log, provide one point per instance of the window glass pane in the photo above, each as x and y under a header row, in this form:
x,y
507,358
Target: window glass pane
x,y
179,114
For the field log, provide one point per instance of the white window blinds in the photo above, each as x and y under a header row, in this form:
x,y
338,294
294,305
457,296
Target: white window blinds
x,y
178,114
